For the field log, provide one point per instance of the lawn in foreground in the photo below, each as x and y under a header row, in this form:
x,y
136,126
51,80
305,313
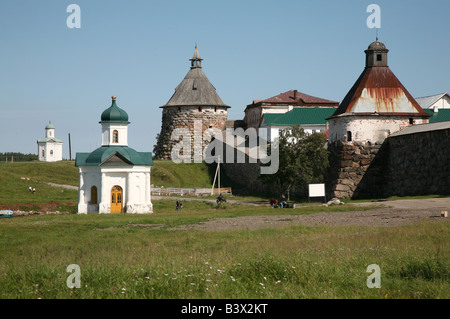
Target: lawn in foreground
x,y
138,256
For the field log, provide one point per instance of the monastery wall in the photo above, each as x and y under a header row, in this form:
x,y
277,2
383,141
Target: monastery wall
x,y
410,164
419,164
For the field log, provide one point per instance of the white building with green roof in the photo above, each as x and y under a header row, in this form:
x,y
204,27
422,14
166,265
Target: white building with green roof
x,y
50,147
312,120
114,178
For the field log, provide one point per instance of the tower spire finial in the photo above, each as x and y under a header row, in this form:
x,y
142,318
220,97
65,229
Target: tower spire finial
x,y
196,61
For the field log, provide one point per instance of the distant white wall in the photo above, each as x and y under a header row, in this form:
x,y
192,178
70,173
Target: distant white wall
x,y
50,151
443,103
367,128
273,132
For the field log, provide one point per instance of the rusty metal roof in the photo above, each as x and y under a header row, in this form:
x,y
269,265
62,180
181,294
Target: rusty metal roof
x,y
378,90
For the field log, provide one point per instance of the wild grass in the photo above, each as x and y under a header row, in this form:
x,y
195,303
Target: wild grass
x,y
16,178
138,256
63,172
188,175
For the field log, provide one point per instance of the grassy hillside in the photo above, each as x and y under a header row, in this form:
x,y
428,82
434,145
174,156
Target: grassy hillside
x,y
15,178
63,172
169,174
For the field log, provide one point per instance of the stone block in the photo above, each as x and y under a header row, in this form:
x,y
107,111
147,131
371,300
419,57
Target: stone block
x,y
346,163
341,187
346,182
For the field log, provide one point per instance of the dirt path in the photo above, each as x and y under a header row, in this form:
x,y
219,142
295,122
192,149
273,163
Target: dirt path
x,y
395,213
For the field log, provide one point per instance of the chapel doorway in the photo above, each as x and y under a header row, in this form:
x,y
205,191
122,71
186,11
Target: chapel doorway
x,y
116,199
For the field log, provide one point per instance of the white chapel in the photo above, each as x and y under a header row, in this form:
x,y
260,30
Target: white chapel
x,y
114,178
50,147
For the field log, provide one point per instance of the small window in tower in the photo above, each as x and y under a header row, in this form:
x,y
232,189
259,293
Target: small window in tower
x,y
349,136
379,57
115,136
51,152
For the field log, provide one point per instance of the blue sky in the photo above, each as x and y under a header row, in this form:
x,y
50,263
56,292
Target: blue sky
x,y
139,51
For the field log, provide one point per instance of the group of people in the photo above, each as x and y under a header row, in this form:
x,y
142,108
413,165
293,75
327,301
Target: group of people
x,y
220,199
179,206
32,190
278,203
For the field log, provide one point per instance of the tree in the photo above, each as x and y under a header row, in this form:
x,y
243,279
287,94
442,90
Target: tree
x,y
303,159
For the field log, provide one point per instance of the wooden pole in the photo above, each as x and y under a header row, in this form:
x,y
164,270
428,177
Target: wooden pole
x,y
70,149
218,167
214,182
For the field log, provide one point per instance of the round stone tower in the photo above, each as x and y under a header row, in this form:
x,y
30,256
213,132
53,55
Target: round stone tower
x,y
195,107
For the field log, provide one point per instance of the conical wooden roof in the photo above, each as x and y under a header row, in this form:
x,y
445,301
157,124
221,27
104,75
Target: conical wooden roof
x,y
195,89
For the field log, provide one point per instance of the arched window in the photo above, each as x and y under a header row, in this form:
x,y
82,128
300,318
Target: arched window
x,y
115,136
51,152
94,195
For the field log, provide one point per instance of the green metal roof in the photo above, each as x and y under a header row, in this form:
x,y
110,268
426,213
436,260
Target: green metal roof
x,y
103,153
301,116
441,115
114,114
50,139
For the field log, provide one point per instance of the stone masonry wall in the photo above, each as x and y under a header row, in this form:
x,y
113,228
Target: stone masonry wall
x,y
413,164
419,164
185,117
349,163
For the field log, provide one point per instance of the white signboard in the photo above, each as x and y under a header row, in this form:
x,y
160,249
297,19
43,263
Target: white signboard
x,y
316,190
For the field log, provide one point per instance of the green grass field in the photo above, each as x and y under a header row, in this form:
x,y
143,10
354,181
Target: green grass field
x,y
15,178
140,256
